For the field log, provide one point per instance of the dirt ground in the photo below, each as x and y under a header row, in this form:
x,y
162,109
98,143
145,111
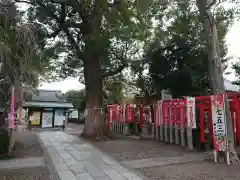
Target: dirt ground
x,y
204,170
39,173
128,149
27,145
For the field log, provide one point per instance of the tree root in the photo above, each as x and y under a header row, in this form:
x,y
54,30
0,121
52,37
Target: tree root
x,y
234,157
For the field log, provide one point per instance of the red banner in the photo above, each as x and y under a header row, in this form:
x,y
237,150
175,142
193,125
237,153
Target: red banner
x,y
109,116
129,115
156,115
173,112
114,113
120,113
165,112
141,118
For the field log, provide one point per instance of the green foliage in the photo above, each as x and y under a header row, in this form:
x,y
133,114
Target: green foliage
x,y
77,98
113,87
177,57
236,68
21,58
103,29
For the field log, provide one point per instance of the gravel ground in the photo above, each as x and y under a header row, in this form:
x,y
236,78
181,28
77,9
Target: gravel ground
x,y
39,173
192,171
132,149
27,145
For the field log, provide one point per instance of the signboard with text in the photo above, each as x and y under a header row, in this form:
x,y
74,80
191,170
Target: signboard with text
x,y
219,122
191,114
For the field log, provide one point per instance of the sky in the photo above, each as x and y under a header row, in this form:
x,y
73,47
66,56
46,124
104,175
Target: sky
x,y
232,40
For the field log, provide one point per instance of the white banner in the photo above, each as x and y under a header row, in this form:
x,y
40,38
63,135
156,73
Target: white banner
x,y
219,122
191,114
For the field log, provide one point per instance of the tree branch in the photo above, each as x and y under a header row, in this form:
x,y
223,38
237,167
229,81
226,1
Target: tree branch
x,y
63,25
115,71
73,42
211,4
74,4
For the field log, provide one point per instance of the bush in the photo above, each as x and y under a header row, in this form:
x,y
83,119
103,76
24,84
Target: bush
x,y
4,142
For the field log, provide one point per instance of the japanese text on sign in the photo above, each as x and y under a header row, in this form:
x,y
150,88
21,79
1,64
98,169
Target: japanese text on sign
x,y
191,116
219,121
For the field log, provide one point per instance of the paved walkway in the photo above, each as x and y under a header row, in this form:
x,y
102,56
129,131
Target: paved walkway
x,y
75,159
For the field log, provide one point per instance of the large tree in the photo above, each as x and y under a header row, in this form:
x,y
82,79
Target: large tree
x,y
20,62
89,38
215,69
178,53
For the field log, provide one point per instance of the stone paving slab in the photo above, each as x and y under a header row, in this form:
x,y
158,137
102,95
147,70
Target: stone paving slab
x,y
22,163
74,159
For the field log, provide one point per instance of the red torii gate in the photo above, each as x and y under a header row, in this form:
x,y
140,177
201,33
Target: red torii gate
x,y
204,105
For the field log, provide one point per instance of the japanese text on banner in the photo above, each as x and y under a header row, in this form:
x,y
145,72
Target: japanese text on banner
x,y
191,115
219,122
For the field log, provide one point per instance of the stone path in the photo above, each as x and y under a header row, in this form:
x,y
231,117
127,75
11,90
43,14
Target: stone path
x,y
74,159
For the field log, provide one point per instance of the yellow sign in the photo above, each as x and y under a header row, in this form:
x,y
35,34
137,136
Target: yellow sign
x,y
35,118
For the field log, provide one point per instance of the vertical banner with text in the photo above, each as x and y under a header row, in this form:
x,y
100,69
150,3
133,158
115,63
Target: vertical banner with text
x,y
191,112
219,122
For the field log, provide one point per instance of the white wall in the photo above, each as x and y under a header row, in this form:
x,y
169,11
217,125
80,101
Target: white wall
x,y
59,117
73,114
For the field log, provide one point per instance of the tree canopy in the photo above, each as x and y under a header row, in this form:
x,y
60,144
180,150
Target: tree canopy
x,y
178,53
20,54
162,41
77,98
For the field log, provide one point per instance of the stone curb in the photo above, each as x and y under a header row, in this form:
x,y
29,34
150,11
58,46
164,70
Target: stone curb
x,y
48,160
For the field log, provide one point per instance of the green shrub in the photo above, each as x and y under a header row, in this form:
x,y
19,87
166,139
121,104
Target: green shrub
x,y
4,142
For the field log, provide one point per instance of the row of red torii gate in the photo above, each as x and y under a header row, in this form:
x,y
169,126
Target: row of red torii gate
x,y
175,121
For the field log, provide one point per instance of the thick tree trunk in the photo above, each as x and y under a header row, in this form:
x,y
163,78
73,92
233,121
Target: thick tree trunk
x,y
94,123
216,70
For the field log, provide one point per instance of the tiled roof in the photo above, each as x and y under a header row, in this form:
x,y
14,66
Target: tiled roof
x,y
48,96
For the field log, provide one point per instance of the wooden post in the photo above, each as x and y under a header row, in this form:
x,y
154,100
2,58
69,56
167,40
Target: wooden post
x,y
183,123
177,141
171,123
160,120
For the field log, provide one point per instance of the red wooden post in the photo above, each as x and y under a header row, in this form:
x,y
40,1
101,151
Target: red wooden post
x,y
109,116
211,125
202,135
156,115
237,107
141,116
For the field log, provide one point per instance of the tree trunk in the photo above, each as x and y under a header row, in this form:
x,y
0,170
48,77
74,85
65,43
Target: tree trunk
x,y
216,70
94,123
